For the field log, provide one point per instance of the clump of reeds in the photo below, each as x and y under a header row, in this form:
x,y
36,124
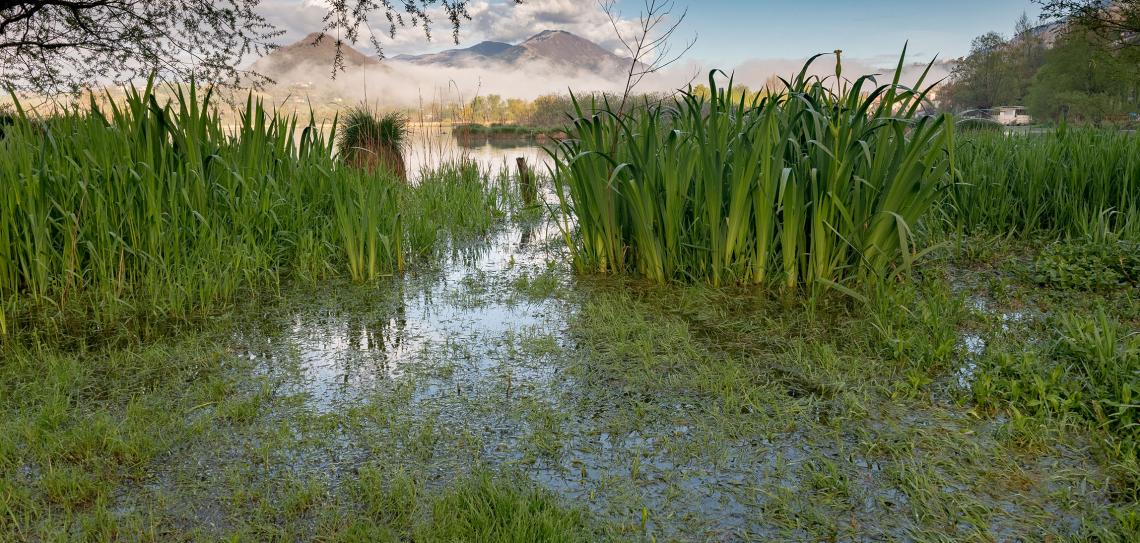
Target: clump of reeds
x,y
1063,183
141,213
817,184
374,141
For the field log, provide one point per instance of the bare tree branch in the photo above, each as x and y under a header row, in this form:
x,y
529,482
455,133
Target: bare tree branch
x,y
649,45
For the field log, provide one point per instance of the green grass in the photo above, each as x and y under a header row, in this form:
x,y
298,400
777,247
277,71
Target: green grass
x,y
123,218
818,419
1065,183
368,138
820,184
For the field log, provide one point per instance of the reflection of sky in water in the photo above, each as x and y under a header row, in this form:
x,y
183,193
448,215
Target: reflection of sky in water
x,y
430,147
451,319
974,344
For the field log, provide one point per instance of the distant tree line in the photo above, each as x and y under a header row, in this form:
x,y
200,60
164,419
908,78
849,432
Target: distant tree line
x,y
545,111
1084,70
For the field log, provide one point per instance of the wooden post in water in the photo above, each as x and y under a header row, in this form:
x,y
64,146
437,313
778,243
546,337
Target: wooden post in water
x,y
527,187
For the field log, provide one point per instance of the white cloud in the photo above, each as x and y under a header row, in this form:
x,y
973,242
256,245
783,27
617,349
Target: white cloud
x,y
495,20
502,20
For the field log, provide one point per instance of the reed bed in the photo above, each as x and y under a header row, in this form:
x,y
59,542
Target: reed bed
x,y
818,184
1063,183
141,212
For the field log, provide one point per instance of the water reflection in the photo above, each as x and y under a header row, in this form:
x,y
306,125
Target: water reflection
x,y
430,146
347,342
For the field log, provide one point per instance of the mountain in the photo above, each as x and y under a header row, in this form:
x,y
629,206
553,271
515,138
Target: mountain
x,y
311,56
458,57
557,48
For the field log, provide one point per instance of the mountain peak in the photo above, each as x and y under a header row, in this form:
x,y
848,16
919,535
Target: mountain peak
x,y
550,32
313,37
551,47
300,58
563,48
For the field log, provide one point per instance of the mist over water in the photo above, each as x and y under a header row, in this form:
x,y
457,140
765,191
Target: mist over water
x,y
396,83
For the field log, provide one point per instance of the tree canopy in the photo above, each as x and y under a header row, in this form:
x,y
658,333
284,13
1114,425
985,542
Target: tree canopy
x,y
63,45
1089,72
1116,18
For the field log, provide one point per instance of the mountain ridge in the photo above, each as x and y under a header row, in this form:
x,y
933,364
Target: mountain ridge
x,y
550,48
299,61
557,48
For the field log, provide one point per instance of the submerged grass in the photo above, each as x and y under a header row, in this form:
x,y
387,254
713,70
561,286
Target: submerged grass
x,y
807,187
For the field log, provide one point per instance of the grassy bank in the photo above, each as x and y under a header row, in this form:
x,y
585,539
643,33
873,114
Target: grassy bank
x,y
506,133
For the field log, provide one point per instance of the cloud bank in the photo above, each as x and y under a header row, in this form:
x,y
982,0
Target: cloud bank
x,y
402,84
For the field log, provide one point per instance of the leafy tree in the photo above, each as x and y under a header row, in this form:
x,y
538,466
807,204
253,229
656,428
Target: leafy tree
x,y
1085,79
58,45
1119,20
518,110
986,78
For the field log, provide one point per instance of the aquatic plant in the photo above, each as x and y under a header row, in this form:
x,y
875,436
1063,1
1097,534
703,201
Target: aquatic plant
x,y
1089,370
144,213
1088,264
1080,183
371,140
979,125
819,184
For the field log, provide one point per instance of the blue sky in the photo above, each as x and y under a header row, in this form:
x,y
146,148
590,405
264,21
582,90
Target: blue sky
x,y
731,31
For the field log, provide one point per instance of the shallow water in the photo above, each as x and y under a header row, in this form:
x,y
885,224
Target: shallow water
x,y
471,365
346,348
475,362
430,146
